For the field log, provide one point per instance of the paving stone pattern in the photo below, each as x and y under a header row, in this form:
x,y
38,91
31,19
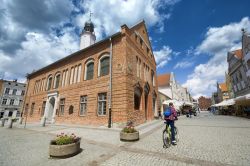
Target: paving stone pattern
x,y
203,140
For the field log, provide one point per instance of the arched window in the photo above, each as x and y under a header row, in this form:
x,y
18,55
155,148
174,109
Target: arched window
x,y
103,68
49,82
57,80
137,97
89,70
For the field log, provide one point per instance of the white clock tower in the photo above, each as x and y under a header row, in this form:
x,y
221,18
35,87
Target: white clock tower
x,y
88,35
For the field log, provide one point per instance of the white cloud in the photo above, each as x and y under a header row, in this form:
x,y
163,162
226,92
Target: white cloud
x,y
218,41
163,56
183,64
38,50
33,33
108,16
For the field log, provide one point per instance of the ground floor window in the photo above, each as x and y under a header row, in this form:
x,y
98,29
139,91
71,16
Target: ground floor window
x,y
137,98
43,108
61,107
32,109
26,109
102,102
83,105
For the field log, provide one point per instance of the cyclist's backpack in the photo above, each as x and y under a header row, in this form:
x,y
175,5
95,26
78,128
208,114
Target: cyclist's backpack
x,y
167,112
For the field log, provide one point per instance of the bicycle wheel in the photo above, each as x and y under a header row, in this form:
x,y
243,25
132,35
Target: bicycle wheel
x,y
166,139
176,134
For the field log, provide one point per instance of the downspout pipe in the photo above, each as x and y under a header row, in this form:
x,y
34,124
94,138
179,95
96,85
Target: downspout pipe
x,y
110,85
24,103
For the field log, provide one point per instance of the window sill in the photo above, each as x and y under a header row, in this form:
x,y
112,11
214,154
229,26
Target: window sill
x,y
101,115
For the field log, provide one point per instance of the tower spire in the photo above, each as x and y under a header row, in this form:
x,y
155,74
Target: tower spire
x,y
90,14
88,35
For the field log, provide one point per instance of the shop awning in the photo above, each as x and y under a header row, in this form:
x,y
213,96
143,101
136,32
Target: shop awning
x,y
225,103
243,100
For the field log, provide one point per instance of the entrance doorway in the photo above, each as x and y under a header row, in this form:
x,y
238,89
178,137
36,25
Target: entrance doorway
x,y
146,92
50,109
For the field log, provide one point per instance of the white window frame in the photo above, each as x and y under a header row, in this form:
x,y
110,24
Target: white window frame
x,y
85,68
99,63
14,91
83,104
12,101
8,91
75,74
101,103
61,105
47,87
4,103
71,78
55,79
79,72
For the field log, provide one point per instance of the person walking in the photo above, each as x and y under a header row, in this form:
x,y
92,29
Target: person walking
x,y
190,112
170,120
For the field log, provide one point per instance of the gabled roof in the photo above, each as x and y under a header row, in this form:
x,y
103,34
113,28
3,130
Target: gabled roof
x,y
164,79
238,53
223,87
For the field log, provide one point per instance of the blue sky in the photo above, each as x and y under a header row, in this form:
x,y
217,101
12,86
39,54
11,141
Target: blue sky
x,y
189,37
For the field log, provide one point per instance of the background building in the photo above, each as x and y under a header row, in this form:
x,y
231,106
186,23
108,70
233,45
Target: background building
x,y
204,103
168,86
237,72
246,57
215,98
11,98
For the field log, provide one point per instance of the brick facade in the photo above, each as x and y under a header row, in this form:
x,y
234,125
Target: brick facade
x,y
204,102
127,46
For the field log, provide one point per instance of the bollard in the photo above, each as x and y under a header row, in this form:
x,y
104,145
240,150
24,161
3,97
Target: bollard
x,y
44,122
2,122
10,123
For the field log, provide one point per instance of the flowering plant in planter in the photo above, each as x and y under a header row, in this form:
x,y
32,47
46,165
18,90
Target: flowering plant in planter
x,y
64,145
64,139
129,128
129,133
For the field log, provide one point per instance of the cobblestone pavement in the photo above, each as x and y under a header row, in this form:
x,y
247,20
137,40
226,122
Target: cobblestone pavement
x,y
204,140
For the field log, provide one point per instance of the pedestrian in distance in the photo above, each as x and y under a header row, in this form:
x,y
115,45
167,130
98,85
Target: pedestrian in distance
x,y
190,112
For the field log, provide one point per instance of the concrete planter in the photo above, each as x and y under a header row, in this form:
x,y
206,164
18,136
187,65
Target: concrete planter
x,y
64,151
129,136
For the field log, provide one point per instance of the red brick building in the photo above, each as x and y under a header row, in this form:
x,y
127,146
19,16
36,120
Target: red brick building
x,y
117,75
204,102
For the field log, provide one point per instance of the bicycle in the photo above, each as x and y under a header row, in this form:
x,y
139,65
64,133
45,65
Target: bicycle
x,y
166,136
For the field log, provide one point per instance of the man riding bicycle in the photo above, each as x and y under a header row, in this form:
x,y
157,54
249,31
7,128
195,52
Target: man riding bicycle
x,y
170,120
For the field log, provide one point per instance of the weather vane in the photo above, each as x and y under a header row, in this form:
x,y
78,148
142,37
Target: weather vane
x,y
90,13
